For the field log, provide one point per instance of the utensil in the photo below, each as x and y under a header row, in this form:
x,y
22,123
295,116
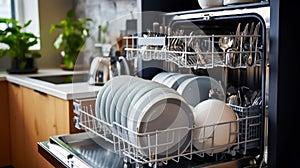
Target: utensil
x,y
253,39
241,58
226,42
237,36
244,33
200,58
230,55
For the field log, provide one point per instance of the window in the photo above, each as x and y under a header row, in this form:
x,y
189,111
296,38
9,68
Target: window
x,y
6,8
23,11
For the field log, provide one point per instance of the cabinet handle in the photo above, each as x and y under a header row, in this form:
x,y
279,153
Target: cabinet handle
x,y
40,92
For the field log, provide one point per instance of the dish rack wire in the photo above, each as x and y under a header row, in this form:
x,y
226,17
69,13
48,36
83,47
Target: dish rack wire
x,y
247,136
195,51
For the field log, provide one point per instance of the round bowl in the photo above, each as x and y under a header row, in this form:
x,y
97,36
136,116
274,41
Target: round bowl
x,y
210,3
215,126
230,2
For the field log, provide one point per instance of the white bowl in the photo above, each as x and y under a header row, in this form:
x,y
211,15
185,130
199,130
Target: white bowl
x,y
229,2
215,126
210,3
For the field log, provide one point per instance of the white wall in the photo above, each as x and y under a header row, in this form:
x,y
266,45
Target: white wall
x,y
50,12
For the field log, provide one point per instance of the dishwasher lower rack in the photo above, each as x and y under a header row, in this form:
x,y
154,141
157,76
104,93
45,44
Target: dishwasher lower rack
x,y
247,137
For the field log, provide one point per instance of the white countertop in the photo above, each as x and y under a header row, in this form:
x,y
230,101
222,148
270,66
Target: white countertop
x,y
67,91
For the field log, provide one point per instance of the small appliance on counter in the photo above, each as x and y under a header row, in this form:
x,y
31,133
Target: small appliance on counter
x,y
104,68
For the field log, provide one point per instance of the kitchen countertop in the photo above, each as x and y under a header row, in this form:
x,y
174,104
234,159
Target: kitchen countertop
x,y
68,91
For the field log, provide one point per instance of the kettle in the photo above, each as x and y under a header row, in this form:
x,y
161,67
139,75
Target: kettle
x,y
102,69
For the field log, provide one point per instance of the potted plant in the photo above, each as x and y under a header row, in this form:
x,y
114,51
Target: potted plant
x,y
72,38
16,43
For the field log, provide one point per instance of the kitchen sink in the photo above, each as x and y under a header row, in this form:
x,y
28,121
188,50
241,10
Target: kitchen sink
x,y
63,79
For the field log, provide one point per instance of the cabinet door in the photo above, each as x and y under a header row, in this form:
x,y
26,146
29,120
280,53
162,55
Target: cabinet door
x,y
4,126
45,116
17,131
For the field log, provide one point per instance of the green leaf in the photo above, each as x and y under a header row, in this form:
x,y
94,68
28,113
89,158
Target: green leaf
x,y
58,42
36,55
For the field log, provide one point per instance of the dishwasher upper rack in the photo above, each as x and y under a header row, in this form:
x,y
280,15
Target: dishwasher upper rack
x,y
196,51
247,135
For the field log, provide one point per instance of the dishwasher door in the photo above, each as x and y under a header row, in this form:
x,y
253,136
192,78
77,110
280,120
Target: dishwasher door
x,y
85,150
79,150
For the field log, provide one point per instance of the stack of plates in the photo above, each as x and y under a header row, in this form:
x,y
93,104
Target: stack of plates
x,y
159,116
194,89
154,117
107,97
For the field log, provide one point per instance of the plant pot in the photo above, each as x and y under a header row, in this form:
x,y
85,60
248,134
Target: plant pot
x,y
64,67
18,68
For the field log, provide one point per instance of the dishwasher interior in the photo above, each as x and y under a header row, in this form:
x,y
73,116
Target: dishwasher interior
x,y
231,49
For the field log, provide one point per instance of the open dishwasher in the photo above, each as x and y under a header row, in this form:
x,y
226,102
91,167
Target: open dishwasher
x,y
228,47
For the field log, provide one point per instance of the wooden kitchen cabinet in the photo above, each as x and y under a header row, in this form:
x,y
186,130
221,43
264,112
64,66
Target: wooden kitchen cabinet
x,y
4,125
35,116
16,125
45,116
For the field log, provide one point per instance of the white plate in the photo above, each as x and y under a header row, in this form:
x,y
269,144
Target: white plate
x,y
148,86
97,103
175,80
157,76
162,109
103,102
119,99
119,90
197,89
142,101
165,78
115,85
100,100
115,114
161,77
127,99
222,131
